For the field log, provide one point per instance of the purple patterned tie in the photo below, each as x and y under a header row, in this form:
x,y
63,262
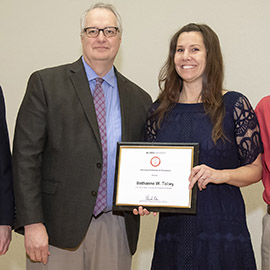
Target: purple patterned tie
x,y
99,101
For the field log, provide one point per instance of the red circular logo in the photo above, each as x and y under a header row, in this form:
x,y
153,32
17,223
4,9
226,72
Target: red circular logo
x,y
155,161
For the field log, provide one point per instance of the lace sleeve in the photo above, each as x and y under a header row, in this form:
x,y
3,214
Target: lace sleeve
x,y
246,131
150,134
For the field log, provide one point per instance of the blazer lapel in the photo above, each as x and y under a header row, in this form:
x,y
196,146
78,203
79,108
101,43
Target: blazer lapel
x,y
125,101
81,85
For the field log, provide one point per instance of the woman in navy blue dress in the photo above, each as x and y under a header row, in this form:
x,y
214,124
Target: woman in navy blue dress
x,y
193,107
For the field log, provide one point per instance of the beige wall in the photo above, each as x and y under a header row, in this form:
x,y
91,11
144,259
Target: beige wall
x,y
36,34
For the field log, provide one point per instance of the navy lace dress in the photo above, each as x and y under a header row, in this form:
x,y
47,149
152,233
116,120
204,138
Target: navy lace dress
x,y
216,238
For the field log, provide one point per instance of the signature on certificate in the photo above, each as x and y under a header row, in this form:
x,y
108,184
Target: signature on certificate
x,y
149,197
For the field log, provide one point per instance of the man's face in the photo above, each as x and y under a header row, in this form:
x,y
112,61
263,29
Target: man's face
x,y
100,50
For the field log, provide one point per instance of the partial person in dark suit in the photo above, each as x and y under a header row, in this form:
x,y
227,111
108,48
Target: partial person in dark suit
x,y
59,155
6,189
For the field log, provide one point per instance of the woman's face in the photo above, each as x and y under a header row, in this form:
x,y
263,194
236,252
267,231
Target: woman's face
x,y
190,57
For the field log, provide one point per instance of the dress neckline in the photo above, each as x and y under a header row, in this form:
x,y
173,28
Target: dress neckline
x,y
201,102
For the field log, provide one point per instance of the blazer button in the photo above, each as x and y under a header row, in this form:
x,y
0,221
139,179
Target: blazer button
x,y
99,165
94,193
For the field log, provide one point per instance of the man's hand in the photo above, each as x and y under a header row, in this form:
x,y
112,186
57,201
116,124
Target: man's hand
x,y
5,238
36,242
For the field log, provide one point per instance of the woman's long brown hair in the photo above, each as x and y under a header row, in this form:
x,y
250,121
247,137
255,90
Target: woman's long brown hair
x,y
170,83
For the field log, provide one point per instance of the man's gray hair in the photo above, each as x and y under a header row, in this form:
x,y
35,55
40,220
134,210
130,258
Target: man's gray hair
x,y
105,6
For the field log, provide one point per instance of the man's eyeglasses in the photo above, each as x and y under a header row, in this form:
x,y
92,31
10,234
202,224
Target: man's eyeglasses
x,y
108,32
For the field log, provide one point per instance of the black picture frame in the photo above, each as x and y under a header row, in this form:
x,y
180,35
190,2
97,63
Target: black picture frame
x,y
127,166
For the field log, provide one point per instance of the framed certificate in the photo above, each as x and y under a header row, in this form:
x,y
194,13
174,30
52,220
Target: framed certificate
x,y
155,176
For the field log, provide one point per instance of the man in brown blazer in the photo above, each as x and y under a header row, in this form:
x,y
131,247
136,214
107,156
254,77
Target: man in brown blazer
x,y
58,158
